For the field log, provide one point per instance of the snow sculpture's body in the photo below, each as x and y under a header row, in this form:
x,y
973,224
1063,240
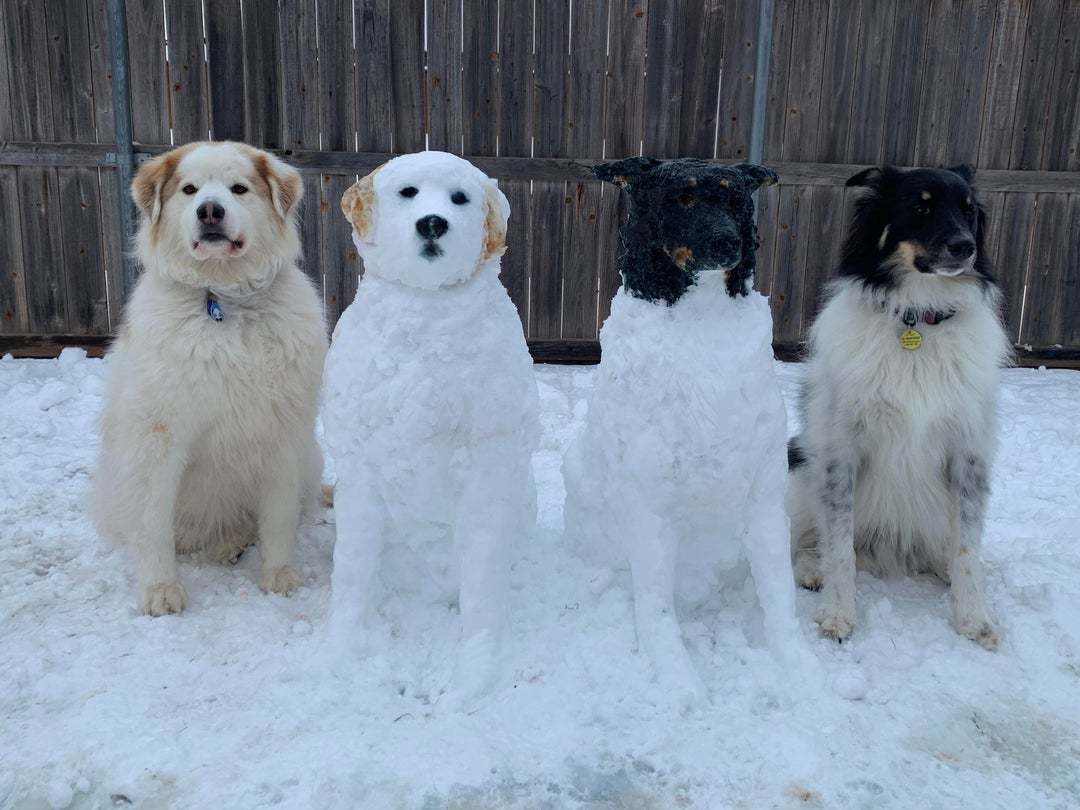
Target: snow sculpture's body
x,y
681,466
431,409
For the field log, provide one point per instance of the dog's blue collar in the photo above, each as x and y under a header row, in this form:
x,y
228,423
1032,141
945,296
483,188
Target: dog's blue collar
x,y
213,308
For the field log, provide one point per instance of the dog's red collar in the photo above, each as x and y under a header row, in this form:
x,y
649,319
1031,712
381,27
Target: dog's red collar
x,y
912,316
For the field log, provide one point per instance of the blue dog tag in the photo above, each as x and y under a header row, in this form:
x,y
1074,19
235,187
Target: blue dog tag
x,y
213,308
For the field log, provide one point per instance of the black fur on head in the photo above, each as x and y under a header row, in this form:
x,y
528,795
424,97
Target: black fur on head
x,y
916,221
686,216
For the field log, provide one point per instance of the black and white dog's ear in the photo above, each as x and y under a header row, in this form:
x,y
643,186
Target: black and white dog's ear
x,y
965,171
757,176
625,172
877,178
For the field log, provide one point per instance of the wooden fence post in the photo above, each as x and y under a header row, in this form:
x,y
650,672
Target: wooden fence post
x,y
125,157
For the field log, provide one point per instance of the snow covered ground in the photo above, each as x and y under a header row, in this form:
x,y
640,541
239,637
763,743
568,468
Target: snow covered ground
x,y
222,707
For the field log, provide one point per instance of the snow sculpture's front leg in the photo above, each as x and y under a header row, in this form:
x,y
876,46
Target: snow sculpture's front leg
x,y
653,549
489,514
361,527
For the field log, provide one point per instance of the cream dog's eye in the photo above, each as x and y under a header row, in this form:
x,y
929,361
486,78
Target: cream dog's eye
x,y
237,188
189,189
459,198
408,191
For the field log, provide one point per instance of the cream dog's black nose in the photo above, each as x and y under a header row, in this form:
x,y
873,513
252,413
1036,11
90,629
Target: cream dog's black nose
x,y
432,226
210,213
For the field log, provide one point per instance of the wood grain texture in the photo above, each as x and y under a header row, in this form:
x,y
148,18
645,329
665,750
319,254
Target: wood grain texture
x,y
225,68
112,245
737,90
804,86
970,79
1061,143
148,72
31,114
100,71
14,317
300,46
71,85
871,85
842,56
340,262
1033,98
479,80
336,82
665,45
779,74
262,77
938,80
792,240
910,30
1049,275
1006,61
1013,257
699,83
408,78
444,76
43,254
374,84
83,263
190,110
624,90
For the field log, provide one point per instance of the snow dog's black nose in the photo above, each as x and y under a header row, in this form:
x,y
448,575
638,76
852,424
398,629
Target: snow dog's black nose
x,y
432,226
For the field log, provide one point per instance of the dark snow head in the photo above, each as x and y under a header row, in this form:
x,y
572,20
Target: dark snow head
x,y
916,223
687,216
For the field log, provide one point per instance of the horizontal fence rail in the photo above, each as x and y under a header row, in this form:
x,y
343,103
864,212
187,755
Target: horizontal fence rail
x,y
535,93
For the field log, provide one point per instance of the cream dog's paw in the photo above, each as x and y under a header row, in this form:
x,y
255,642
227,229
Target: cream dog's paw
x,y
283,580
162,598
837,624
979,630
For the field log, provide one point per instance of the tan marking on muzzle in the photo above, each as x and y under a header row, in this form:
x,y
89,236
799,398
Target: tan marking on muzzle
x,y
681,255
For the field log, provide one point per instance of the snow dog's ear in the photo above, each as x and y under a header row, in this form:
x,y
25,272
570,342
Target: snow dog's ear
x,y
358,203
964,171
875,178
625,172
151,185
496,213
282,180
756,176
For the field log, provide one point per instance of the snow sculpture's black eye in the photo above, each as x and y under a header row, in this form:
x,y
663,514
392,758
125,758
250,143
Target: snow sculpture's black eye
x,y
409,191
189,189
238,188
459,198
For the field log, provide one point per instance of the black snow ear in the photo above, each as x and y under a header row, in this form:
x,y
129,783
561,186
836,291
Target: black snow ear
x,y
965,171
878,179
625,172
757,176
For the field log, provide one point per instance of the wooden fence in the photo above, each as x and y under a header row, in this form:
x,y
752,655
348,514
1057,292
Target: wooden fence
x,y
533,92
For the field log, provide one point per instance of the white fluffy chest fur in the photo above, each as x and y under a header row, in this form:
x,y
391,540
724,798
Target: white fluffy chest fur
x,y
901,409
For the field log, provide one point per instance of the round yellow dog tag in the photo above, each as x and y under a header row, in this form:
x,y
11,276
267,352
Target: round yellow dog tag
x,y
911,339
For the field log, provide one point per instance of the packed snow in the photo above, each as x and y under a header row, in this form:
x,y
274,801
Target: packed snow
x,y
681,467
224,705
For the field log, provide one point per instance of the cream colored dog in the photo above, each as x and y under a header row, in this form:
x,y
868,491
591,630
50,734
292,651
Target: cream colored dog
x,y
208,440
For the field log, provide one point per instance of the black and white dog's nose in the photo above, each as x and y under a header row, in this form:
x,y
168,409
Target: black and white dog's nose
x,y
210,212
432,226
961,248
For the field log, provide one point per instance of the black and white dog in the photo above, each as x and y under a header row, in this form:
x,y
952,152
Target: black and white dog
x,y
899,426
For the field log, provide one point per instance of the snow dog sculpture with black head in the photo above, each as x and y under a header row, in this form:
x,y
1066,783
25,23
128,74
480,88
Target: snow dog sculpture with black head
x,y
431,407
680,467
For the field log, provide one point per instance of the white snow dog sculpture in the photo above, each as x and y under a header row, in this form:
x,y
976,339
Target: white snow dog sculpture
x,y
681,465
431,405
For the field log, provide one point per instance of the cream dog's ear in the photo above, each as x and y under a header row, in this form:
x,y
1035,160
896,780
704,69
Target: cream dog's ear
x,y
358,203
496,213
286,187
148,189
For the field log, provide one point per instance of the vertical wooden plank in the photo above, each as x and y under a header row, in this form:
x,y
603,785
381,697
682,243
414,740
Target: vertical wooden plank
x,y
1070,298
7,123
374,87
969,82
479,82
1003,81
311,217
842,56
1033,97
1014,256
112,245
336,97
187,71
938,82
43,255
779,73
624,98
101,72
299,74
80,228
700,81
1044,308
341,265
516,125
30,95
14,318
870,94
69,71
548,198
902,114
407,64
149,89
1061,145
737,90
444,89
767,204
225,69
666,48
806,66
792,238
823,239
262,76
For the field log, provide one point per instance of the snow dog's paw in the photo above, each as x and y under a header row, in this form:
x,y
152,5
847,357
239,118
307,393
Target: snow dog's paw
x,y
683,685
837,624
981,631
163,598
326,492
283,580
807,572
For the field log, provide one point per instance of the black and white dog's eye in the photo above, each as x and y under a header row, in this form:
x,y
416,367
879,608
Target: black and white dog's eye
x,y
189,189
686,200
459,198
922,210
409,191
237,188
